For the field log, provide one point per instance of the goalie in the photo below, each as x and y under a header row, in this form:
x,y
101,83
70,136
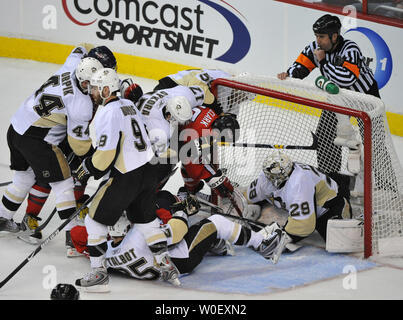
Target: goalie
x,y
310,196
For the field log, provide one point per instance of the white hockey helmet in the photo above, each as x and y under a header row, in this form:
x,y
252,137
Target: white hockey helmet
x,y
105,77
277,167
85,70
120,228
180,109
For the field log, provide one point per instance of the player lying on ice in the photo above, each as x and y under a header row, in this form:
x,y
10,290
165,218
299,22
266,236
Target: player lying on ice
x,y
127,251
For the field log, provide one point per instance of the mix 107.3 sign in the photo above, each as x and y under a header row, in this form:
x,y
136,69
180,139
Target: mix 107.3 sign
x,y
181,28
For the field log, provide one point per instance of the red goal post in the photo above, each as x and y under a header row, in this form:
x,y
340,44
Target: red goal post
x,y
254,98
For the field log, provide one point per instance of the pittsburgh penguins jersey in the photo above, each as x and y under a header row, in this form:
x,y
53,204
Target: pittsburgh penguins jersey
x,y
57,108
345,66
133,256
121,137
151,107
303,196
201,78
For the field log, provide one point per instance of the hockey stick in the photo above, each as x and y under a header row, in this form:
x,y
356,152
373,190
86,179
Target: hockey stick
x,y
49,238
221,212
3,184
291,247
45,223
313,146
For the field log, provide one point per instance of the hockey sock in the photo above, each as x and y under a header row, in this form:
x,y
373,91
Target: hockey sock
x,y
37,198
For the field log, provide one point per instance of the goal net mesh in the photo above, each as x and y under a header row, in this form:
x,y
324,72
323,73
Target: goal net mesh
x,y
266,119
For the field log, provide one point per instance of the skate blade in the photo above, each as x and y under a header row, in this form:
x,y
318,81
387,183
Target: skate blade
x,y
29,239
175,282
73,253
101,288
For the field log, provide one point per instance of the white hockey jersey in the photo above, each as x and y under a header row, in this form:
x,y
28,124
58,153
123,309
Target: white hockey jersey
x,y
151,106
58,108
201,78
133,256
303,196
120,128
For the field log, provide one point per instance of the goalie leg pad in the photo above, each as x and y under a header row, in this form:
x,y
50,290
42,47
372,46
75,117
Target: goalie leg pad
x,y
253,212
345,235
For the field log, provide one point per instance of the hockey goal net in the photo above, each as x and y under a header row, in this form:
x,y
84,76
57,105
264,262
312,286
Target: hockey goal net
x,y
301,119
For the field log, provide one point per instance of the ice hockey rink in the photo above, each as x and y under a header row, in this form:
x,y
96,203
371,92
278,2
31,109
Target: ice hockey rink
x,y
310,273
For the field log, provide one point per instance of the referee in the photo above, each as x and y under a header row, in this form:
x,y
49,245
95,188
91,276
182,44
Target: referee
x,y
341,61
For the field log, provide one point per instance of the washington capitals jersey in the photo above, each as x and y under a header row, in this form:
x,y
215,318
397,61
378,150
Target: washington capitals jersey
x,y
58,108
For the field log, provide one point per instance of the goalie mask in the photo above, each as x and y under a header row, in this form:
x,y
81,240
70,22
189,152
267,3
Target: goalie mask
x,y
277,167
179,108
85,69
120,228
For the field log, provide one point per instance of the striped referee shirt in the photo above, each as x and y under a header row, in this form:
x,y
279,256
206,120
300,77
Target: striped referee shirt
x,y
344,65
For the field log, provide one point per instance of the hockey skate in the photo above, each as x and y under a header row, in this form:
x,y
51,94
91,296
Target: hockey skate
x,y
168,270
29,224
97,280
222,248
8,226
272,245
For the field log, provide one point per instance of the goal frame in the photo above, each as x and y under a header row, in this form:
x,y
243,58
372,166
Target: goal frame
x,y
367,162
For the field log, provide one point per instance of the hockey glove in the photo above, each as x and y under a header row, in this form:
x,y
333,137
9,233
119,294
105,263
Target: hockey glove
x,y
190,205
130,90
82,174
220,184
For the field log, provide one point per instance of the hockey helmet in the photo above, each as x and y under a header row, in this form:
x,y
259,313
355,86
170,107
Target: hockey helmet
x,y
103,55
121,227
228,127
86,69
105,77
277,168
64,291
327,24
180,109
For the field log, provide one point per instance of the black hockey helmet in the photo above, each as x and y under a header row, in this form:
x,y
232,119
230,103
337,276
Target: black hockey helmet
x,y
64,291
104,55
327,24
165,199
228,126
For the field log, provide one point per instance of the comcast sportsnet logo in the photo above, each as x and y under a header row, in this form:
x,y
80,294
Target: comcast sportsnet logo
x,y
169,25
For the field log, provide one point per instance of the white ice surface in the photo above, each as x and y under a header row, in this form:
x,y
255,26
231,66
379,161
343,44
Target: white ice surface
x,y
50,266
